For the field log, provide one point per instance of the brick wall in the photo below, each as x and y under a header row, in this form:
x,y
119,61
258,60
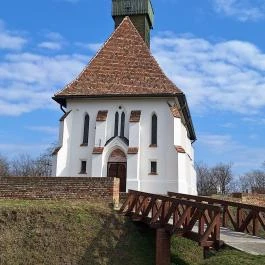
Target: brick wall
x,y
105,189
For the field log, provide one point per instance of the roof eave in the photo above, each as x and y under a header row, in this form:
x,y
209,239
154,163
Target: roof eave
x,y
187,116
61,99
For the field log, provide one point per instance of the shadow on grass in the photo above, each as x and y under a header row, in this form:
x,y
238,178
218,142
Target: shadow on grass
x,y
121,243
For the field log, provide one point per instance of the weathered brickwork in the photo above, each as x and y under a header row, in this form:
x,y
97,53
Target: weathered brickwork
x,y
105,189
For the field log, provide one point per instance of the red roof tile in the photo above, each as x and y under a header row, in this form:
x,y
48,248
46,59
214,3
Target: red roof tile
x,y
135,116
102,115
175,111
123,67
98,150
180,149
133,150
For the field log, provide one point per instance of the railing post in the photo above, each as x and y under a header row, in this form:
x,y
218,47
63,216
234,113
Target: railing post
x,y
162,247
239,216
201,224
224,215
255,224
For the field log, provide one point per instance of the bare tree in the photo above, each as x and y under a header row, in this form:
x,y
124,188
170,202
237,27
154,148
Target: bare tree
x,y
253,179
4,166
43,163
210,180
206,184
223,175
23,166
26,166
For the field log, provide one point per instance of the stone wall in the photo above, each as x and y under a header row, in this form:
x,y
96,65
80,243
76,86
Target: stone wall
x,y
104,189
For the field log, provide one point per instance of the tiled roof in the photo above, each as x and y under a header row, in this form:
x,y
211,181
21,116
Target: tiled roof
x,y
102,115
135,116
133,150
175,111
123,67
98,150
180,149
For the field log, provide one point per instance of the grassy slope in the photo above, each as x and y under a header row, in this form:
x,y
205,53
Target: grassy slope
x,y
76,233
81,233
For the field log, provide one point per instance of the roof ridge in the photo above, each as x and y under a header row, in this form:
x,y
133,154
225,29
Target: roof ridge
x,y
124,65
96,54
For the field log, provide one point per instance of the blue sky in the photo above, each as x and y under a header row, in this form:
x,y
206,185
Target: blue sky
x,y
213,50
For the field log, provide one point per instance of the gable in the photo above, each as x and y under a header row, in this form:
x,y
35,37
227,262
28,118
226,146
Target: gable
x,y
123,67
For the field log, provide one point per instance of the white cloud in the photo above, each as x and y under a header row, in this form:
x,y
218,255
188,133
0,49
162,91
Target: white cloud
x,y
10,40
93,47
50,45
242,10
217,143
12,150
28,81
224,148
55,36
44,129
228,75
55,41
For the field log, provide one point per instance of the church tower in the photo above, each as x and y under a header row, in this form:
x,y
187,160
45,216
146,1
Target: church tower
x,y
140,12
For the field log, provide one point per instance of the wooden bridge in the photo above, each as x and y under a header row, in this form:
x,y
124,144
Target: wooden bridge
x,y
195,217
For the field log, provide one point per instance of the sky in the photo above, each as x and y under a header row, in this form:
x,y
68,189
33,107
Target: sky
x,y
213,50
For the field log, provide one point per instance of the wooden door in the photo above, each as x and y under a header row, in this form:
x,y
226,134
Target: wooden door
x,y
118,170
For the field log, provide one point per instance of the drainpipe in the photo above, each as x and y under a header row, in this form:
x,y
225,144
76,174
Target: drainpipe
x,y
61,107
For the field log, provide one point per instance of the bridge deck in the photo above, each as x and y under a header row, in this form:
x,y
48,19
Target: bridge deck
x,y
244,242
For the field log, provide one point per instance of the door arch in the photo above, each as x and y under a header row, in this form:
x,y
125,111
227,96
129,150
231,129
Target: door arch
x,y
117,167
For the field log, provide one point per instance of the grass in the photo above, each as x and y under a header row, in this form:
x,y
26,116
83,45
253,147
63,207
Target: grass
x,y
68,232
83,233
187,252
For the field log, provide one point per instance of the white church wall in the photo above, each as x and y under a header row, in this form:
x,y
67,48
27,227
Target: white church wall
x,y
100,135
63,156
133,172
97,164
81,153
182,173
170,167
134,134
177,132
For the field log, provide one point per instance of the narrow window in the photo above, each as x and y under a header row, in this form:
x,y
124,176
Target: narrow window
x,y
116,128
154,130
122,124
86,130
83,167
153,167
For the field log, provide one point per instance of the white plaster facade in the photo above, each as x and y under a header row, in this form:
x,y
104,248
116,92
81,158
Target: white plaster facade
x,y
175,170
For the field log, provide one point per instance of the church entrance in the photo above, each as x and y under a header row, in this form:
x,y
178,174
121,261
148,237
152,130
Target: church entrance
x,y
117,167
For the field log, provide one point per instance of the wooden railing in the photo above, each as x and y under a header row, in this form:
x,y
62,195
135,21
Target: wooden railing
x,y
237,216
194,220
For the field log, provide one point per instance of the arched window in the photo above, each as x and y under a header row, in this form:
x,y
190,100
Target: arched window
x,y
122,124
116,128
154,130
86,130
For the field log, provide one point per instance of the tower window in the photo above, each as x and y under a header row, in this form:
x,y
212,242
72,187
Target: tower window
x,y
116,128
86,130
122,124
153,168
154,130
83,167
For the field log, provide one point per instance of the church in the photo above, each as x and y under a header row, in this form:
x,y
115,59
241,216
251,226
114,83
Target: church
x,y
123,117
